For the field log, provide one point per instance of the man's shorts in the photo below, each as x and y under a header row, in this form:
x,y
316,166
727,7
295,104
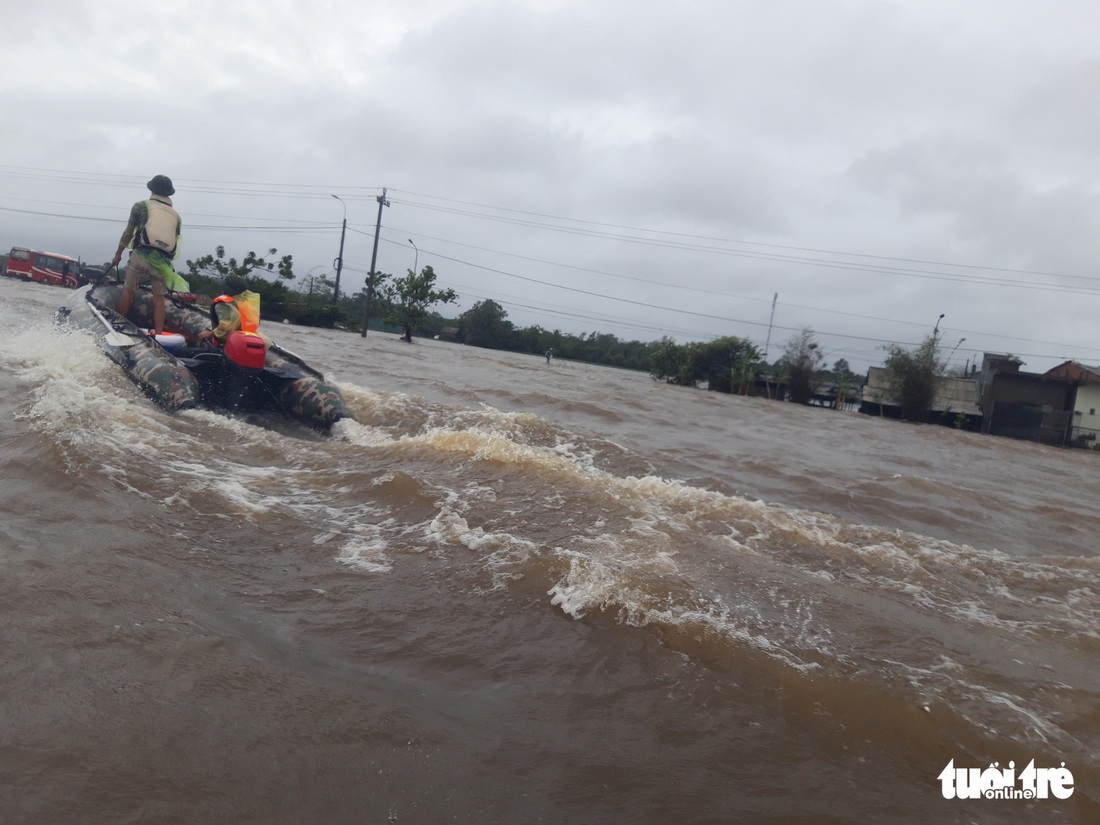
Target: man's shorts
x,y
145,267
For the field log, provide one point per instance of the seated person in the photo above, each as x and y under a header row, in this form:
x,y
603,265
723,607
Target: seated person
x,y
229,313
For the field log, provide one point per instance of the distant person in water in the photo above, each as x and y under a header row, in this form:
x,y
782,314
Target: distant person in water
x,y
549,355
153,234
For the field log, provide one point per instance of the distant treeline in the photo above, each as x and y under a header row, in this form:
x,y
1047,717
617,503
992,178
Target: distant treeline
x,y
486,325
728,364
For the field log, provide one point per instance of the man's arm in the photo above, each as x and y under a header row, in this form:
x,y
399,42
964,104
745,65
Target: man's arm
x,y
139,213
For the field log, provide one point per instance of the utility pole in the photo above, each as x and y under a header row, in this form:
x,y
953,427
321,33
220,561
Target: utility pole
x,y
340,259
768,342
373,259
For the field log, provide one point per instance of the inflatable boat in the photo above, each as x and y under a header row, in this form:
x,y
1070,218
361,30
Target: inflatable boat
x,y
179,372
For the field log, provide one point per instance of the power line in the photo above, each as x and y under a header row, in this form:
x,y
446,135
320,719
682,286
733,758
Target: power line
x,y
247,188
703,244
847,336
693,243
643,303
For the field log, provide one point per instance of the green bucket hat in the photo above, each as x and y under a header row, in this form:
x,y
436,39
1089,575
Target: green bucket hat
x,y
161,185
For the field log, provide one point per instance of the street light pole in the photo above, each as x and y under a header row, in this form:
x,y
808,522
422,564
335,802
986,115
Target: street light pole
x,y
340,257
936,331
416,258
373,259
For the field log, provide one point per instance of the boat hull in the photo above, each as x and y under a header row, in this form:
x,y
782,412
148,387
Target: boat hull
x,y
161,377
286,384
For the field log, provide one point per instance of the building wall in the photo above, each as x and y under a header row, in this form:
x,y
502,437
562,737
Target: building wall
x,y
1086,416
1025,388
1028,406
994,364
955,395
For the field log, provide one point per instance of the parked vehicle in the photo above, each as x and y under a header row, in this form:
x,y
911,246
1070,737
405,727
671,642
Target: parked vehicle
x,y
44,267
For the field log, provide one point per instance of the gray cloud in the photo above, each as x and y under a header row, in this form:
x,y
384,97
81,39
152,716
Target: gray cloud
x,y
874,163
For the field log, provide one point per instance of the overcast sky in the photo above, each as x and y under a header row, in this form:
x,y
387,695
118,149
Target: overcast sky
x,y
634,167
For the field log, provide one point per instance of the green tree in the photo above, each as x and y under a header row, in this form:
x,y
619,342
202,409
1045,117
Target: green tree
x,y
214,274
409,297
843,388
776,374
715,362
486,324
915,376
803,359
668,362
742,374
233,274
311,304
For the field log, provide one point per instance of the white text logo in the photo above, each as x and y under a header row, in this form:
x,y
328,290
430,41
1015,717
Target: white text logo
x,y
1002,783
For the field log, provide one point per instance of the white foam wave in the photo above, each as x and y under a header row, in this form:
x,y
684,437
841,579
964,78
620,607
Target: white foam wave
x,y
360,435
381,409
503,554
591,585
919,569
366,554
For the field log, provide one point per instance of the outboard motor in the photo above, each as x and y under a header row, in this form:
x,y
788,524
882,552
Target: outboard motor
x,y
245,354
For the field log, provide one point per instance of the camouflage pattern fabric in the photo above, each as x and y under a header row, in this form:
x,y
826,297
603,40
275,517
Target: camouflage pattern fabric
x,y
312,399
184,319
305,395
161,377
166,381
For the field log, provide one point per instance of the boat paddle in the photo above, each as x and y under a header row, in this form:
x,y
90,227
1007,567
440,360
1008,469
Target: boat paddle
x,y
113,337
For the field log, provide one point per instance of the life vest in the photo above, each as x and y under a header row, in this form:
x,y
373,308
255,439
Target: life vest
x,y
160,228
243,346
247,305
221,299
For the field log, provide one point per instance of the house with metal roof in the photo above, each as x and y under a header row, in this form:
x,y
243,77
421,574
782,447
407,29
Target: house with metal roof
x,y
956,401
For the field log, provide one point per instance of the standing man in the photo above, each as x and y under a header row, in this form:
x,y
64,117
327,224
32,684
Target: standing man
x,y
153,233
